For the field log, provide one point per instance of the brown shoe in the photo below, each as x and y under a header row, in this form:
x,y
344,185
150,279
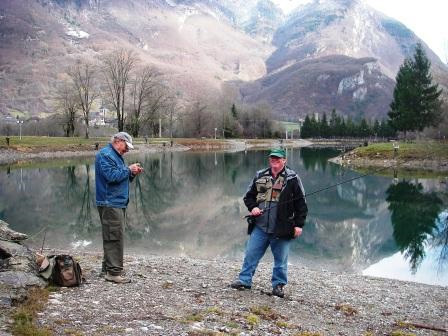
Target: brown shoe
x,y
119,279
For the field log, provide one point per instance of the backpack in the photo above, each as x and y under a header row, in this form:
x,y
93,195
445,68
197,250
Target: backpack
x,y
62,270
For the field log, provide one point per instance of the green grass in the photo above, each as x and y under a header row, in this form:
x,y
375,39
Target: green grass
x,y
407,150
50,144
24,317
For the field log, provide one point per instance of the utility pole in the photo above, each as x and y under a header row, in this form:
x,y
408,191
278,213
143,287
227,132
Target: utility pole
x,y
160,127
20,122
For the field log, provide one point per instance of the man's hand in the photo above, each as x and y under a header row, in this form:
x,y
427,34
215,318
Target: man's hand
x,y
135,169
297,232
256,212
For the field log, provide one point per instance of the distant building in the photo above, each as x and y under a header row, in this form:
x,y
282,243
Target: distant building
x,y
99,118
103,111
96,119
8,119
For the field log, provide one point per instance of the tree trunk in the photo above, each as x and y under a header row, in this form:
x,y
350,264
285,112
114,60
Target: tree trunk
x,y
87,127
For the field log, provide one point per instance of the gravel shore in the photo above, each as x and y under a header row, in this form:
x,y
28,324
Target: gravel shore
x,y
184,296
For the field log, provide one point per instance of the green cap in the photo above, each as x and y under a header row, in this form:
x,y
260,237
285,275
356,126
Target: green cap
x,y
278,152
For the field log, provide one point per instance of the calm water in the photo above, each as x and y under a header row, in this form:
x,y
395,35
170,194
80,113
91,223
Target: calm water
x,y
191,204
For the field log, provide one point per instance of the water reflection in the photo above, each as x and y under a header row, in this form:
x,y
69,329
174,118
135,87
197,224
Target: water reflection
x,y
414,216
440,240
191,204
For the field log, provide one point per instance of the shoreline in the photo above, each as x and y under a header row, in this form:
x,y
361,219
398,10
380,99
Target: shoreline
x,y
11,156
350,159
354,162
188,296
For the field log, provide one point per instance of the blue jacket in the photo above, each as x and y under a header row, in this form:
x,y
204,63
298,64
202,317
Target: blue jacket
x,y
112,178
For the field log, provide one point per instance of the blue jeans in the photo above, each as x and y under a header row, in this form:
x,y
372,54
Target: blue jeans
x,y
255,249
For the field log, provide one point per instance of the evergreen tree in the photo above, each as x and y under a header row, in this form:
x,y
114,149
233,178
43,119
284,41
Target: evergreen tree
x,y
305,132
416,102
234,112
343,129
376,129
363,128
350,128
314,127
324,130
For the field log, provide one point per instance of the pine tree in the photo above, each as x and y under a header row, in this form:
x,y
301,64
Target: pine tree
x,y
416,102
324,130
234,112
305,132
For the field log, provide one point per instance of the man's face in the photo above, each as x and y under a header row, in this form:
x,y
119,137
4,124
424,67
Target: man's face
x,y
276,163
121,147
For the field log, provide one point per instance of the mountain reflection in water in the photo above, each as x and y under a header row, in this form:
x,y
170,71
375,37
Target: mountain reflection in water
x,y
191,204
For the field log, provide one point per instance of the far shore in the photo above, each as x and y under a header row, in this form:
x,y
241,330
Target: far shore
x,y
429,156
422,156
35,149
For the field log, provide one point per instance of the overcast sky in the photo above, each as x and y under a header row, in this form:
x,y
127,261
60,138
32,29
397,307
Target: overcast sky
x,y
426,18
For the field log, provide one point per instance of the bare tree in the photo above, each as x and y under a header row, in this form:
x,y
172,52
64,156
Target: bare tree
x,y
117,74
172,109
156,108
198,119
147,97
83,75
67,105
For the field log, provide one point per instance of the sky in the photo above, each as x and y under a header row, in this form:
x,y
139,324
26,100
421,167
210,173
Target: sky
x,y
426,18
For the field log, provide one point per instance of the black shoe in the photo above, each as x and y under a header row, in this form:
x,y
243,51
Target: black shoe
x,y
278,291
239,285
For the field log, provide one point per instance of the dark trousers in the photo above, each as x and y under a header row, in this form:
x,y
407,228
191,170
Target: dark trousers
x,y
113,221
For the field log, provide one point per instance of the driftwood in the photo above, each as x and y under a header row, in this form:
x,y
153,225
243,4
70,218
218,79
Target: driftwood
x,y
424,326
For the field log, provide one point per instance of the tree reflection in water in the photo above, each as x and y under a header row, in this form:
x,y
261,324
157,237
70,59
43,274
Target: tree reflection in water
x,y
413,216
80,194
441,239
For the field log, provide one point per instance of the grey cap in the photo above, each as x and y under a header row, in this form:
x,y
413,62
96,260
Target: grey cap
x,y
126,137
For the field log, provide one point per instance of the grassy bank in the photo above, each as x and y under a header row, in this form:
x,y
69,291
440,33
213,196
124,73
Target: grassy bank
x,y
50,144
36,144
421,150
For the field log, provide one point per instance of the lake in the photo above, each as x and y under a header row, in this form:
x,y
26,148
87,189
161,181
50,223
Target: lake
x,y
190,204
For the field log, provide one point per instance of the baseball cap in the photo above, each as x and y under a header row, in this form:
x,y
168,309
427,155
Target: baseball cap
x,y
278,152
126,137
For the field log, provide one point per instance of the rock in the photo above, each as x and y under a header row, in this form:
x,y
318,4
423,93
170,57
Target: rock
x,y
18,270
7,234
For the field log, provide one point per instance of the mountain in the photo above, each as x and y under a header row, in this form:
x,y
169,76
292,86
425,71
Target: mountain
x,y
336,54
327,54
197,45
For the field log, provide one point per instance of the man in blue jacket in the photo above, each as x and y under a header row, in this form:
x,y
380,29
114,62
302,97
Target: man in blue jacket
x,y
276,202
112,178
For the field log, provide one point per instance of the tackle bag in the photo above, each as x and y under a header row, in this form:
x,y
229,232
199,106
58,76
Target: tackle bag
x,y
61,270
